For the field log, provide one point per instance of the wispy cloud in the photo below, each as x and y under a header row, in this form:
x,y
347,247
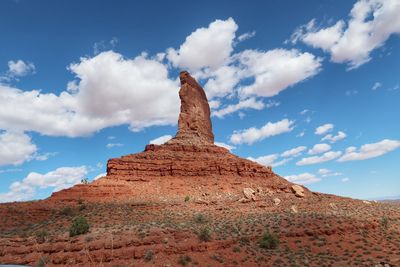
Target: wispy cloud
x,y
111,145
303,178
319,159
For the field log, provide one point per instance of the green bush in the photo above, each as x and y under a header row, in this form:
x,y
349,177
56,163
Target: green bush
x,y
205,234
200,218
244,240
82,207
42,261
67,211
187,198
79,226
385,222
269,241
184,260
149,255
41,236
217,258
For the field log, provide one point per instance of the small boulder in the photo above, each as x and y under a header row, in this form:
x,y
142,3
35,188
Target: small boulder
x,y
294,209
367,202
244,200
298,190
269,192
333,206
277,201
248,192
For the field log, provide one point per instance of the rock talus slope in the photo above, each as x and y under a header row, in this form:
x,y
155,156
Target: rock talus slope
x,y
187,165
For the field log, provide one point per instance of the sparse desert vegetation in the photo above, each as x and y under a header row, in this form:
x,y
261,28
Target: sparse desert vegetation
x,y
79,226
225,234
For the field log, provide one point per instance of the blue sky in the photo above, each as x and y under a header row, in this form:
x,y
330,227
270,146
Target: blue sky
x,y
309,88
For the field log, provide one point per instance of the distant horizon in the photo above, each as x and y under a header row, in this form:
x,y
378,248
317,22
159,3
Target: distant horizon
x,y
314,94
387,198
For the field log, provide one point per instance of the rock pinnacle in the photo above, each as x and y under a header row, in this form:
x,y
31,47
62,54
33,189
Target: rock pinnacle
x,y
194,119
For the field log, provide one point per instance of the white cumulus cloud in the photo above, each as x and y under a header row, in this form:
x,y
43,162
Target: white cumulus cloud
x,y
269,160
111,91
334,138
252,103
276,70
368,151
221,82
20,68
15,148
209,54
251,135
303,178
58,179
370,24
327,156
294,152
205,47
324,128
319,148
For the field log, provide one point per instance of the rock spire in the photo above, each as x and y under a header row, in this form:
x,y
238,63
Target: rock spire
x,y
194,120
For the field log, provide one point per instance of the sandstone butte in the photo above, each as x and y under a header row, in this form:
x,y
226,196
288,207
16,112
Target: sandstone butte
x,y
190,164
189,202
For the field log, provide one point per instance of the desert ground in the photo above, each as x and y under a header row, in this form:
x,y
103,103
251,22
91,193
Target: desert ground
x,y
327,231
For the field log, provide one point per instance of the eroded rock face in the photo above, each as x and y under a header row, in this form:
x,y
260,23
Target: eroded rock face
x,y
194,120
187,165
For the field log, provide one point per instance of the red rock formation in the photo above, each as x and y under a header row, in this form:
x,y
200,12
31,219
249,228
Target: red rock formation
x,y
194,120
188,164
